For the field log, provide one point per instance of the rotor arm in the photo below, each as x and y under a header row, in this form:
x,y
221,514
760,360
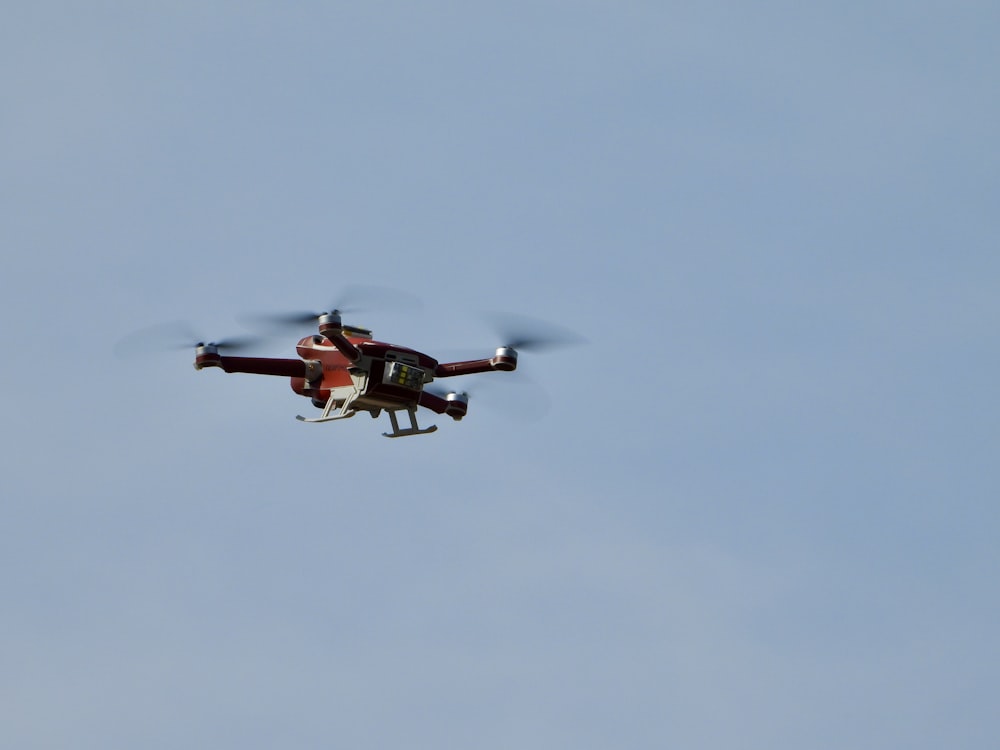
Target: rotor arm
x,y
289,368
433,402
455,405
504,360
470,367
331,327
208,356
345,347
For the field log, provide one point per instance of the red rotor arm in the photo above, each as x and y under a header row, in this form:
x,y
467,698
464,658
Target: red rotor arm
x,y
455,405
504,360
207,355
331,327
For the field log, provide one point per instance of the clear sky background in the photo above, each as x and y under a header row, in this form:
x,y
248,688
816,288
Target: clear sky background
x,y
760,507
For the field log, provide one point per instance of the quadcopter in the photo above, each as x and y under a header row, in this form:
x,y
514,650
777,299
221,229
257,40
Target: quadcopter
x,y
344,371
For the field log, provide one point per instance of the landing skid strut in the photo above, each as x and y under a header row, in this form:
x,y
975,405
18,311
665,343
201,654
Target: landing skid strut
x,y
346,410
336,409
413,429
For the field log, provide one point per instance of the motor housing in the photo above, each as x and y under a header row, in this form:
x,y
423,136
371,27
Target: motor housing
x,y
458,405
505,359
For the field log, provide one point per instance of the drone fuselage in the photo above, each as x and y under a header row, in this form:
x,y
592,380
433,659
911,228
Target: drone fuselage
x,y
385,376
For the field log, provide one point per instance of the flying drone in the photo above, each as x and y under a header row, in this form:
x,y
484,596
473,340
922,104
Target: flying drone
x,y
343,371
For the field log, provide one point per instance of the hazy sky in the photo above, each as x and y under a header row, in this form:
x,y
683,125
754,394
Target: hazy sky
x,y
760,507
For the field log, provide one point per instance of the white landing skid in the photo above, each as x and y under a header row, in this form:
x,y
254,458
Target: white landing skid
x,y
346,410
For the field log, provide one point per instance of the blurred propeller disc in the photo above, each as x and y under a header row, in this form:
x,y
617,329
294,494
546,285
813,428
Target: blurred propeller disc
x,y
175,335
529,334
352,300
514,395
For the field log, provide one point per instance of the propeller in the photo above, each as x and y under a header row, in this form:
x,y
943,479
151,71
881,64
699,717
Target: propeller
x,y
175,335
351,300
513,394
527,334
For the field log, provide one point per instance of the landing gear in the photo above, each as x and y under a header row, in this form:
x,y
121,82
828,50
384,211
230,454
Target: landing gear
x,y
413,429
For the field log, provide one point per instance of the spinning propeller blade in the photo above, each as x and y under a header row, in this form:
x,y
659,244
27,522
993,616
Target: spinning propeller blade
x,y
175,335
530,335
514,395
234,344
352,300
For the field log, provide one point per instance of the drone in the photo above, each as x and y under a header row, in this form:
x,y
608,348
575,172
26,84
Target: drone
x,y
343,371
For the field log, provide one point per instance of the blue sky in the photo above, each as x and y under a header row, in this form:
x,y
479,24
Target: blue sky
x,y
760,508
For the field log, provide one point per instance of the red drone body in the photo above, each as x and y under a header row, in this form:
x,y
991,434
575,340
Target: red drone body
x,y
343,372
